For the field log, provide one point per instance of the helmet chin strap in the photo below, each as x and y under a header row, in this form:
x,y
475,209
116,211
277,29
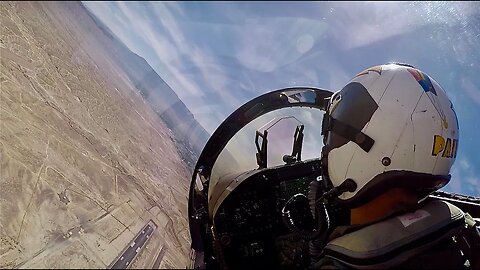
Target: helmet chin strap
x,y
338,127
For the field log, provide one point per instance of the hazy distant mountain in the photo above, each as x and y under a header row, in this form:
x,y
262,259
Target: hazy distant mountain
x,y
189,134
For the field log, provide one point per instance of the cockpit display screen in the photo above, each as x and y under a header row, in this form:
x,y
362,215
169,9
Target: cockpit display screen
x,y
288,188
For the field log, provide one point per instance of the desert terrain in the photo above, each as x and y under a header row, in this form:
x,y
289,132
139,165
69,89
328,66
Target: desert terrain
x,y
85,163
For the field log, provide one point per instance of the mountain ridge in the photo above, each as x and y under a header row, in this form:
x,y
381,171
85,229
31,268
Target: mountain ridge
x,y
189,134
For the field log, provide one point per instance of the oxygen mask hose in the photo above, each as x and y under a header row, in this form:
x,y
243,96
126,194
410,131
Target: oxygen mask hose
x,y
347,185
308,235
318,209
317,201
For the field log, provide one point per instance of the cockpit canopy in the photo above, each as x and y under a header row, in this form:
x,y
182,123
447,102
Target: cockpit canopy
x,y
271,130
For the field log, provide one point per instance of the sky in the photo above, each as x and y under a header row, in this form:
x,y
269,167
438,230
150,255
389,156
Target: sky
x,y
218,55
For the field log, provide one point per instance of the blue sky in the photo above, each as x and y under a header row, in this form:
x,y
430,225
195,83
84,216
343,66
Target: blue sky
x,y
219,55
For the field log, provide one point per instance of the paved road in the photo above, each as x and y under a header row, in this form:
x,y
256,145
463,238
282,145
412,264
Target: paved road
x,y
159,259
135,246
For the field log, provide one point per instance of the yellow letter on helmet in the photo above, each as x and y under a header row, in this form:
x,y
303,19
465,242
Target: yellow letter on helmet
x,y
454,148
448,149
438,144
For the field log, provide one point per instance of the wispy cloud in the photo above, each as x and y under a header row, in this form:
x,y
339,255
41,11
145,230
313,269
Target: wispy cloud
x,y
465,177
362,23
455,184
471,89
269,43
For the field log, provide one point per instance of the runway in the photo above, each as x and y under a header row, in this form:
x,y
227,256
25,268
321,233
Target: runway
x,y
135,247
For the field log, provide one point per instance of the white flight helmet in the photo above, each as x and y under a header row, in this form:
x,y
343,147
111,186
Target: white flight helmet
x,y
390,126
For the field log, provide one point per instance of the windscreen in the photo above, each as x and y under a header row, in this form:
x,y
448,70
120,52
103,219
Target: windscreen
x,y
240,154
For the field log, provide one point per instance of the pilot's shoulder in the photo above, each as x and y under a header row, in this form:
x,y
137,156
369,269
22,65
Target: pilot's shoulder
x,y
393,241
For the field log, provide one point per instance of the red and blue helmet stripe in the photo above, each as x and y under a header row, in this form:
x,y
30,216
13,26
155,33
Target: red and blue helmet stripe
x,y
423,80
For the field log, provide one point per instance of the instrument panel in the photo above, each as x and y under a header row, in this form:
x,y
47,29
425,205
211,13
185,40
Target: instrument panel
x,y
248,225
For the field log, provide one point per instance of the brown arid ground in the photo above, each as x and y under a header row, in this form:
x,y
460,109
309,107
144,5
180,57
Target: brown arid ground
x,y
84,162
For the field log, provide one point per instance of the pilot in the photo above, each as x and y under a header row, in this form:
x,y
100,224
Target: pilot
x,y
391,137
